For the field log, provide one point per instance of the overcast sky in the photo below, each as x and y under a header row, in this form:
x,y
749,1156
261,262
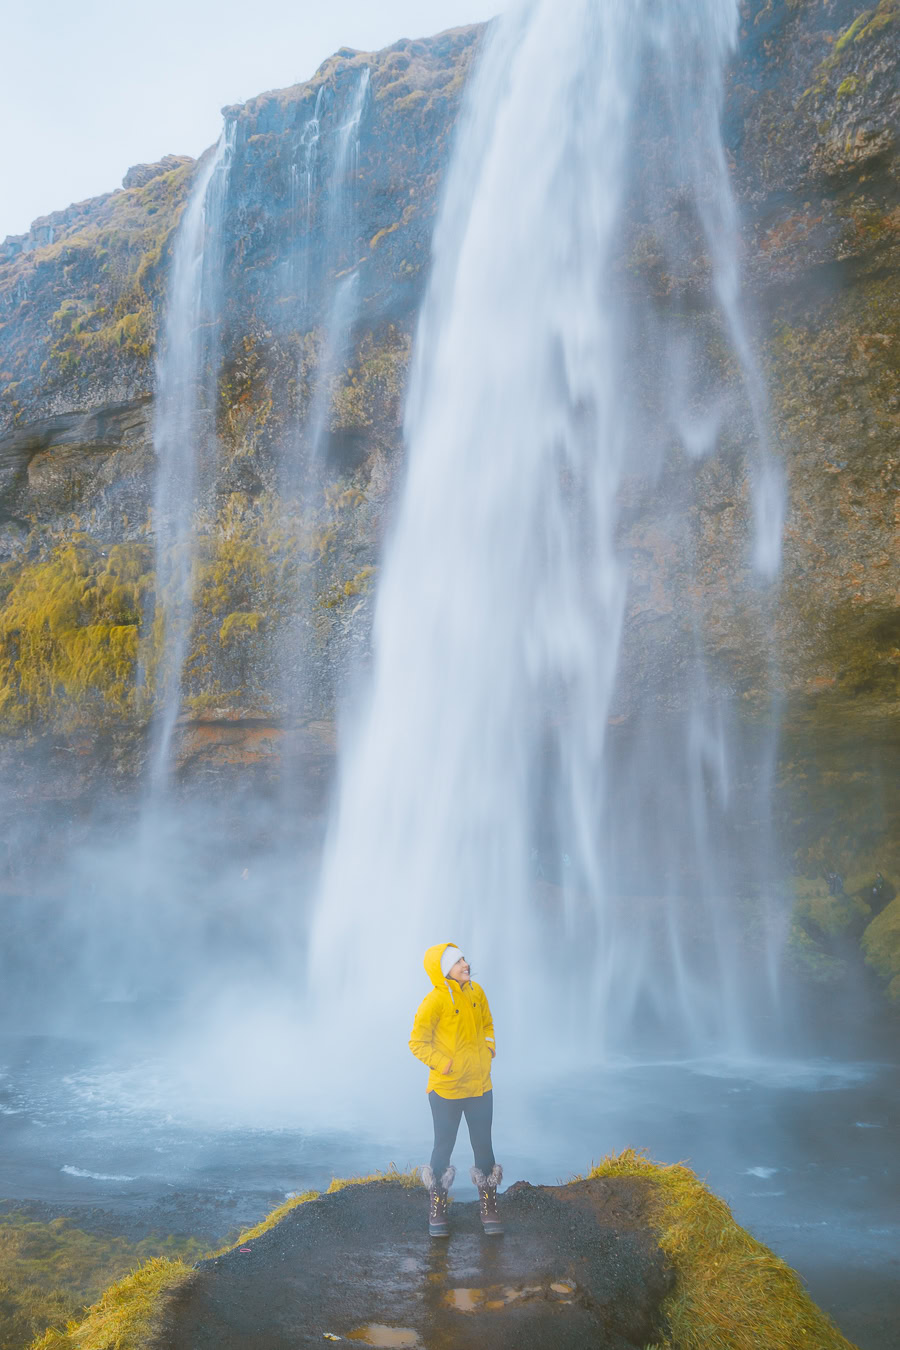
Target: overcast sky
x,y
91,88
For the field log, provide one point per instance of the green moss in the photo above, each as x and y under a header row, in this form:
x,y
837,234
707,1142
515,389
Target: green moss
x,y
731,1292
855,30
810,961
829,915
887,12
881,945
847,87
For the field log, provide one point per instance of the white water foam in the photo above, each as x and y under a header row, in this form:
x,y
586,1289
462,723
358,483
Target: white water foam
x,y
92,1176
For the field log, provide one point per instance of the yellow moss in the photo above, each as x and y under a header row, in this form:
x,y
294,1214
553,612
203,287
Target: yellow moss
x,y
357,585
127,239
127,1316
410,1178
270,1220
731,1292
239,624
50,1271
69,630
373,388
380,234
881,945
412,100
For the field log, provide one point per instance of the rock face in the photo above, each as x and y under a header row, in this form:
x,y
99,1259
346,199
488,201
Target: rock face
x,y
812,122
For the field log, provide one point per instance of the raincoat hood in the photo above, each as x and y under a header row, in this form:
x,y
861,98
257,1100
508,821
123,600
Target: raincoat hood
x,y
432,963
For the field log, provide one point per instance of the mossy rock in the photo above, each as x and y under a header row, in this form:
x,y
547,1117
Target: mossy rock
x,y
810,961
831,915
881,945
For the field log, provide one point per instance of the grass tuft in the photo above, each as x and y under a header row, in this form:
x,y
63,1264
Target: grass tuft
x,y
731,1292
127,1315
410,1178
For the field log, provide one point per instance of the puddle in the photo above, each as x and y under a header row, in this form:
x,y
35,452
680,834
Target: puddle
x,y
376,1333
470,1300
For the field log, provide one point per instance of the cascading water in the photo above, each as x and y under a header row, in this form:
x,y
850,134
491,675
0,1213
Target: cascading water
x,y
303,177
184,435
336,267
338,240
482,798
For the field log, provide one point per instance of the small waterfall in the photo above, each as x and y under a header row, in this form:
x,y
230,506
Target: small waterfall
x,y
337,149
184,432
483,796
303,177
339,265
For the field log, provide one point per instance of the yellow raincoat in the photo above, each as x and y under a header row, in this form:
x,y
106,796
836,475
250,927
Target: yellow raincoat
x,y
453,1027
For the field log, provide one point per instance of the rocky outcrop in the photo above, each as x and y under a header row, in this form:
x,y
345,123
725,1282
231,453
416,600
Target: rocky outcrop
x,y
634,1254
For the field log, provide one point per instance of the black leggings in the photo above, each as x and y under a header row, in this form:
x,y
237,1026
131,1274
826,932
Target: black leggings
x,y
447,1113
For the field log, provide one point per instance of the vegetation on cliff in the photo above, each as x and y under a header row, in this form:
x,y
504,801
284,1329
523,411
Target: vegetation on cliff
x,y
97,287
881,944
49,1271
731,1292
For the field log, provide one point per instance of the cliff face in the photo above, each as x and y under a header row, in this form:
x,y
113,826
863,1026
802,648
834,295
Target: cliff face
x,y
812,120
81,298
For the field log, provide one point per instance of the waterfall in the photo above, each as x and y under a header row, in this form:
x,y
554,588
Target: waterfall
x,y
339,235
184,431
336,273
482,795
303,177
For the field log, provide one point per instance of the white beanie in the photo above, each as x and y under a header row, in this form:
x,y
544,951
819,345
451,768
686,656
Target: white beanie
x,y
449,958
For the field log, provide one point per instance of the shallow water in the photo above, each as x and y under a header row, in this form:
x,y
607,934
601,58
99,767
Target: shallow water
x,y
805,1152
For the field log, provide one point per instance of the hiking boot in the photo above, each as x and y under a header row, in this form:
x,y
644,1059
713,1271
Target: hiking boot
x,y
437,1194
487,1198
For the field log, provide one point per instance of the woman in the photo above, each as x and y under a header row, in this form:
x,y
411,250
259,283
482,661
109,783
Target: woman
x,y
454,1035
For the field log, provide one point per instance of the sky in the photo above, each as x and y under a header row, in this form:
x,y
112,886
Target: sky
x,y
91,88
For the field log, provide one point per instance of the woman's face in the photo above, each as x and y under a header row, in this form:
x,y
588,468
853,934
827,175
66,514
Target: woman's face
x,y
459,971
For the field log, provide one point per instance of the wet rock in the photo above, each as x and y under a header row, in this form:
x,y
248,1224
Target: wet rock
x,y
577,1267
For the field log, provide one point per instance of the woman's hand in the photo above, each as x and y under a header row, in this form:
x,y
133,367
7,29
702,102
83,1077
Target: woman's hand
x,y
449,1068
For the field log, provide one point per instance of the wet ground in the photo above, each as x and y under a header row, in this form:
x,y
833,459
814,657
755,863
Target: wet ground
x,y
575,1269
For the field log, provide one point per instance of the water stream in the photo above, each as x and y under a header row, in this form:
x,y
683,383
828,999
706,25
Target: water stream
x,y
184,431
